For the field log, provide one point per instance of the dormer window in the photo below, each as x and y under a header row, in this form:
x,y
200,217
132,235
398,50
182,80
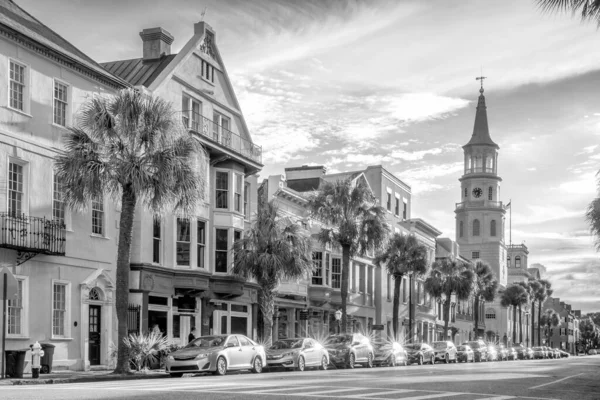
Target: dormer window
x,y
208,72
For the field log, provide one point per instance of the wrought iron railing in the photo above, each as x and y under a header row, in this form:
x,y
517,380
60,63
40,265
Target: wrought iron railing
x,y
213,131
32,234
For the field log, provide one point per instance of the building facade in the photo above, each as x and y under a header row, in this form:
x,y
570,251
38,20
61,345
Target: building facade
x,y
565,335
64,261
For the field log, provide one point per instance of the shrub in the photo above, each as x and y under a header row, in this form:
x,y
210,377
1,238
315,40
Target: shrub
x,y
145,349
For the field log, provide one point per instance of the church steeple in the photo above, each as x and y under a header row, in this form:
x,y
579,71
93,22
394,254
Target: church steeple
x,y
481,132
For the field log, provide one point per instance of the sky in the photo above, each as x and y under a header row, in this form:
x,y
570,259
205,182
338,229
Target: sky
x,y
348,84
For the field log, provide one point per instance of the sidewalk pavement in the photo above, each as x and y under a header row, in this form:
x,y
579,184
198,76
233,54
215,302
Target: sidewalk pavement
x,y
82,376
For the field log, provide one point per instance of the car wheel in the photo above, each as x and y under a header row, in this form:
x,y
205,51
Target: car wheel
x,y
351,361
447,359
324,363
176,374
257,365
432,360
221,366
369,363
420,360
301,364
392,361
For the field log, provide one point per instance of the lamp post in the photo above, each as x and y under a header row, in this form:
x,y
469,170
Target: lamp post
x,y
338,317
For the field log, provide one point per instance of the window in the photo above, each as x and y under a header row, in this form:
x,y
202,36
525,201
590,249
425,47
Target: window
x,y
317,259
493,228
17,85
490,314
15,312
508,261
336,273
369,272
327,269
222,189
156,241
208,71
466,192
460,229
221,125
404,290
405,211
98,217
183,238
389,201
15,189
59,309
191,113
490,193
397,208
518,262
362,281
237,193
60,103
58,204
200,243
246,200
474,255
476,227
221,250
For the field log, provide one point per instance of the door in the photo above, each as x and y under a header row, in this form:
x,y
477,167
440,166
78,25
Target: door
x,y
234,352
94,335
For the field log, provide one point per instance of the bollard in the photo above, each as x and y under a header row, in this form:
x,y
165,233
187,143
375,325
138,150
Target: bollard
x,y
36,355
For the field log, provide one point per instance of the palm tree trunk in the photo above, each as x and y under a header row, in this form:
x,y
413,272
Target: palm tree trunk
x,y
476,316
514,325
520,326
128,201
344,288
267,307
410,309
446,315
532,327
396,309
539,326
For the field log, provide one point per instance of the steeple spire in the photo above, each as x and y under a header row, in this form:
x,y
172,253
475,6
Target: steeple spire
x,y
481,132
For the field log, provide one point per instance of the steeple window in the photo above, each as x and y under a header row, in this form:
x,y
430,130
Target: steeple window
x,y
518,262
478,164
460,229
490,193
493,228
466,192
476,227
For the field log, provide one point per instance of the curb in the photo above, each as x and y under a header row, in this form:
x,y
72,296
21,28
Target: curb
x,y
104,378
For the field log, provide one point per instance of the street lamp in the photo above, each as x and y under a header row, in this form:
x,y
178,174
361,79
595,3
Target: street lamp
x,y
338,317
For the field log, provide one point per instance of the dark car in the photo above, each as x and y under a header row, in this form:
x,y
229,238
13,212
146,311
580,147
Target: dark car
x,y
502,353
347,350
465,354
479,348
390,354
521,352
539,352
420,353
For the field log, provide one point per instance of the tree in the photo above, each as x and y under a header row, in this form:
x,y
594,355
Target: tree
x,y
133,149
549,319
450,276
588,333
402,256
588,9
514,296
273,249
353,220
525,286
541,296
534,288
486,287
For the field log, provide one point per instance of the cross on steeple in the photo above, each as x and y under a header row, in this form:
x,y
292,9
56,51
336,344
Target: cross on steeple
x,y
481,78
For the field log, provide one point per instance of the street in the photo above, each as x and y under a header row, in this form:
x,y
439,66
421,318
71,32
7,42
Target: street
x,y
572,378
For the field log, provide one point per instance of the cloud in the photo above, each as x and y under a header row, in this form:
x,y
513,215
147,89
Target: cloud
x,y
421,106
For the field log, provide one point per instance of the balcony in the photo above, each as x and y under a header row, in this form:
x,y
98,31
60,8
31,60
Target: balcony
x,y
29,234
203,126
479,204
479,170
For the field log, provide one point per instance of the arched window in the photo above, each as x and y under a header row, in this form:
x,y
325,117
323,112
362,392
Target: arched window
x,y
490,313
493,228
508,261
460,229
95,294
476,227
466,192
490,193
518,262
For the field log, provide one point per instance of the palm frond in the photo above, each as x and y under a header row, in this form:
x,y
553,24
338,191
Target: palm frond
x,y
589,10
593,217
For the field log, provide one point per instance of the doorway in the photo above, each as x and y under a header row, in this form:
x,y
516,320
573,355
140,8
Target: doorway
x,y
94,337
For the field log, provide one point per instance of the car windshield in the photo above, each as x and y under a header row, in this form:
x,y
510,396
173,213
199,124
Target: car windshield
x,y
439,345
287,344
207,341
416,346
338,339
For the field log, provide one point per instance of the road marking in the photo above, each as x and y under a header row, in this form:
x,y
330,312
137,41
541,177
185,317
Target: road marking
x,y
556,381
370,395
499,398
334,391
426,396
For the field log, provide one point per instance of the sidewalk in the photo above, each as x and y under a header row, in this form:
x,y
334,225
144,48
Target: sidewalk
x,y
81,376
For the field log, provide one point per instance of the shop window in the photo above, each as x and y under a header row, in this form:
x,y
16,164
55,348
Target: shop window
x,y
221,249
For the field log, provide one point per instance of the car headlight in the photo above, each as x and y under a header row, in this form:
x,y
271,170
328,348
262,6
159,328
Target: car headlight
x,y
171,358
291,353
201,355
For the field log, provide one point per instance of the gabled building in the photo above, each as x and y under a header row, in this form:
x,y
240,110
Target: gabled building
x,y
180,267
562,336
64,261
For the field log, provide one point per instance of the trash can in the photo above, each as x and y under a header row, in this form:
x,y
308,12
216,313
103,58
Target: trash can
x,y
15,362
46,360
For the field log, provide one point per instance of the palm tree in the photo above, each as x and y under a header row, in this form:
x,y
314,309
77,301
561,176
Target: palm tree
x,y
525,286
593,217
534,288
273,249
514,296
550,319
588,9
133,149
450,276
486,287
353,220
541,295
402,256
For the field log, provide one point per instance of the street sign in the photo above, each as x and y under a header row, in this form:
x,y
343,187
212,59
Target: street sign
x,y
377,327
12,286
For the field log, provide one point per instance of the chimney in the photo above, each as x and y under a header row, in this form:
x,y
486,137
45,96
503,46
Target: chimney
x,y
157,43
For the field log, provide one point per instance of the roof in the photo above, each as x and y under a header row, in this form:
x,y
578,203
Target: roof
x,y
138,71
305,184
481,132
15,18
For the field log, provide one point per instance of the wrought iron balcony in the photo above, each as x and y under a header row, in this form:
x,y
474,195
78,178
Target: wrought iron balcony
x,y
223,136
479,204
29,234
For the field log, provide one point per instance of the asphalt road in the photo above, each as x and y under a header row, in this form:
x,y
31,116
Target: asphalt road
x,y
572,378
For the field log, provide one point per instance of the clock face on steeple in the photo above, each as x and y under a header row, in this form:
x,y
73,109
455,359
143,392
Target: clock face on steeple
x,y
477,192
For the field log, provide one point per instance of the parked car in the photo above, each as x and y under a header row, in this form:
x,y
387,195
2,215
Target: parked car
x,y
465,353
592,352
445,351
529,353
420,353
563,354
217,354
492,353
479,348
556,352
390,354
521,352
539,352
512,354
549,352
347,350
298,353
502,353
